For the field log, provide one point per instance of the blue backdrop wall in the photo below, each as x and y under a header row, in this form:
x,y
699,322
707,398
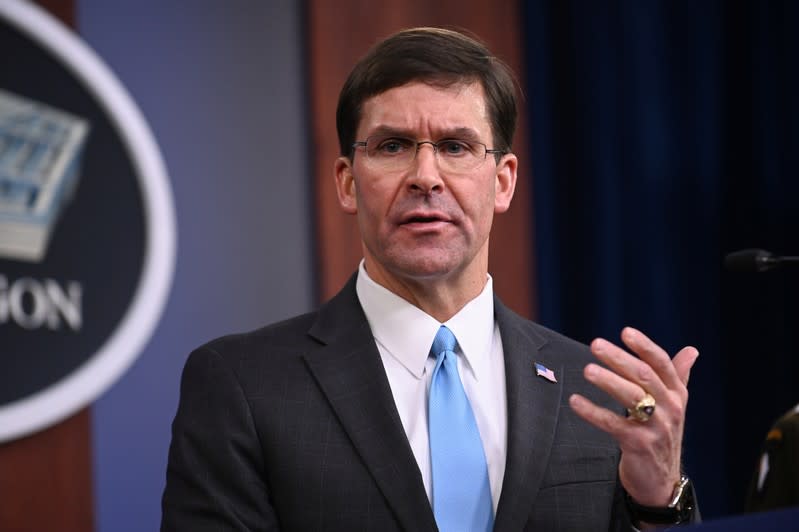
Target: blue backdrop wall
x,y
223,91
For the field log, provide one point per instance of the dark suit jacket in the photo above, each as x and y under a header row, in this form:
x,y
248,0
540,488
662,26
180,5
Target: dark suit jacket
x,y
293,427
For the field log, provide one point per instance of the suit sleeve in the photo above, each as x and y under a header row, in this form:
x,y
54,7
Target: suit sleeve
x,y
215,474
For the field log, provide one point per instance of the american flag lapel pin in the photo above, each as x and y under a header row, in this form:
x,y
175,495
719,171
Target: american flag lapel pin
x,y
543,371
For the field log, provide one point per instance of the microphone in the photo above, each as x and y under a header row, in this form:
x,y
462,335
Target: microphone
x,y
755,260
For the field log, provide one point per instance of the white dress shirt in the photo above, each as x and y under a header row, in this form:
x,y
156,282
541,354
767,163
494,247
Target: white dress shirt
x,y
404,334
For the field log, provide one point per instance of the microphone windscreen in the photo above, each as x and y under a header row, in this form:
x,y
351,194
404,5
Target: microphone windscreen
x,y
748,260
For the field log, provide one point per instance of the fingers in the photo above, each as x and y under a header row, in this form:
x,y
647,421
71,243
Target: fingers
x,y
635,370
602,418
684,361
653,355
654,370
627,393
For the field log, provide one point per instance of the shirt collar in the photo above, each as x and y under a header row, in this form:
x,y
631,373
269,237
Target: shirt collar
x,y
406,332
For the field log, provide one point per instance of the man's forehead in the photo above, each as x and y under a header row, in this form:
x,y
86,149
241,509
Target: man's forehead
x,y
456,108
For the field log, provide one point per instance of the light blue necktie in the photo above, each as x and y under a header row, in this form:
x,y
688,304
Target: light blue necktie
x,y
461,491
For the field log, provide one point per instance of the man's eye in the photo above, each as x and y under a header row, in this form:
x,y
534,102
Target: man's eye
x,y
453,147
393,146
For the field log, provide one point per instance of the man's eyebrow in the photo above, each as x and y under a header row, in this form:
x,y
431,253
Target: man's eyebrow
x,y
463,133
388,131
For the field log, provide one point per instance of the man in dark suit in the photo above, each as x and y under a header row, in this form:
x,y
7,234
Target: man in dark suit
x,y
346,419
775,483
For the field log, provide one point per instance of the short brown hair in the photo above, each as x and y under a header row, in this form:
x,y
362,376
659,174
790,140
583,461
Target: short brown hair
x,y
435,56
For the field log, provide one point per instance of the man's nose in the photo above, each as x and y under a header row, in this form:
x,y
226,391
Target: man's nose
x,y
425,175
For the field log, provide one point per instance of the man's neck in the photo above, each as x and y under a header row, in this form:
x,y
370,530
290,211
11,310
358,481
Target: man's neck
x,y
440,297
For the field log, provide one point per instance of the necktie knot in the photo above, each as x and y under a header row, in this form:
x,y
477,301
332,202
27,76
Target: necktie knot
x,y
444,341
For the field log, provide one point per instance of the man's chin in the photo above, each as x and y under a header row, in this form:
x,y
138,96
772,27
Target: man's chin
x,y
427,268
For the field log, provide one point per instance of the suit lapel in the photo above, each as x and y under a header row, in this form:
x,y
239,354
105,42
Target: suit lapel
x,y
533,404
351,375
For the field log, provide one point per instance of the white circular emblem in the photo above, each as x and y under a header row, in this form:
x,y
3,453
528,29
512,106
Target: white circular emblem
x,y
118,350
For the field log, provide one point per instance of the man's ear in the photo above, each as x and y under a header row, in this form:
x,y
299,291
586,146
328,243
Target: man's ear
x,y
505,182
345,185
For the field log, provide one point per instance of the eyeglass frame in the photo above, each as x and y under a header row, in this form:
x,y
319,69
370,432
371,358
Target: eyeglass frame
x,y
497,153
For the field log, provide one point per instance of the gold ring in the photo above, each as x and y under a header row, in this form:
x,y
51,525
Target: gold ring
x,y
643,409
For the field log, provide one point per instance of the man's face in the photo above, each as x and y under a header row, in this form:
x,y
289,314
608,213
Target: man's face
x,y
422,223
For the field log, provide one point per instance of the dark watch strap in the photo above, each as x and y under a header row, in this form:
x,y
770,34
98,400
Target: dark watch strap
x,y
678,510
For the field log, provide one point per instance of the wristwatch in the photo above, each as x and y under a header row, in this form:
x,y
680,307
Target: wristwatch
x,y
678,510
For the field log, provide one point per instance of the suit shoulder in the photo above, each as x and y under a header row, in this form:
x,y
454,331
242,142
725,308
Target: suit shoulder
x,y
541,336
289,333
560,339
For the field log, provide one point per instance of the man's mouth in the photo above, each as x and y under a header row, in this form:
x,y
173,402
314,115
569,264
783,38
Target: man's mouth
x,y
422,219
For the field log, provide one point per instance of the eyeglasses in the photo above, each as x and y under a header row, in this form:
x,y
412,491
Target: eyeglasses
x,y
398,153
